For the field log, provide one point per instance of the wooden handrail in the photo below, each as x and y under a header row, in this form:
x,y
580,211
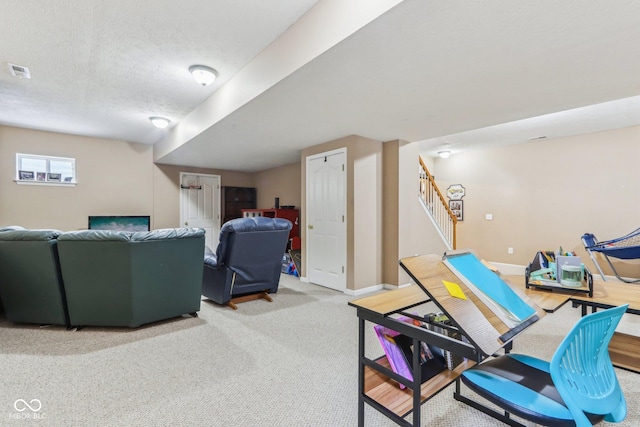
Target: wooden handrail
x,y
441,213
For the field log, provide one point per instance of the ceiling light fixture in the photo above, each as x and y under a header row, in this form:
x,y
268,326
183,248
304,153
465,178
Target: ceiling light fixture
x,y
160,122
203,74
444,154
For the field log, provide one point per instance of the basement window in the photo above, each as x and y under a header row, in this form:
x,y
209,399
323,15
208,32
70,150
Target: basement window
x,y
45,170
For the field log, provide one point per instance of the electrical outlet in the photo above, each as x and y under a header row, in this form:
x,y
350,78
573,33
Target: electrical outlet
x,y
488,217
510,250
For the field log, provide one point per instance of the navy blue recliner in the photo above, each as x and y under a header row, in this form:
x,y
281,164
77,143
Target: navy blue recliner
x,y
248,261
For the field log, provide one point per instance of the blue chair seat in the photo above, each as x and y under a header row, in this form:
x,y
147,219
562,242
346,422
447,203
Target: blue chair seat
x,y
578,387
522,386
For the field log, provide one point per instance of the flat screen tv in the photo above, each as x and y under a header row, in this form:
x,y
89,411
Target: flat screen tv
x,y
120,222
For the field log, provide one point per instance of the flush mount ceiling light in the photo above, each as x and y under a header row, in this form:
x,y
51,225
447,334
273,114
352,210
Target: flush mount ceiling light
x,y
444,154
203,74
160,122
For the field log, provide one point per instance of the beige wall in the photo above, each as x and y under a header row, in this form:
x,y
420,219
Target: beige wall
x,y
114,178
166,190
547,194
407,229
282,182
542,195
390,211
364,204
366,167
416,234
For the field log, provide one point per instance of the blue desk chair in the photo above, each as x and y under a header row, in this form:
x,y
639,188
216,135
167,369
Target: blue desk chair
x,y
578,387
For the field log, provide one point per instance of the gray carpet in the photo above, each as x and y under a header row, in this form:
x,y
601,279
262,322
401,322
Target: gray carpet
x,y
290,362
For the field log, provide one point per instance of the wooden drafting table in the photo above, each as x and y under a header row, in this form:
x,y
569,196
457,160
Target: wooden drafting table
x,y
486,333
624,348
549,301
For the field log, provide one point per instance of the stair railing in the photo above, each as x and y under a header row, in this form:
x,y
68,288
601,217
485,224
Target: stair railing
x,y
437,206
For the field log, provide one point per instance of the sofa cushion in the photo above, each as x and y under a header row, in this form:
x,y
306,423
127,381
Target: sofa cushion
x,y
130,236
96,235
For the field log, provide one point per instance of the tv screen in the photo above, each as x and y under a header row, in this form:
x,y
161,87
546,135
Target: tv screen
x,y
120,222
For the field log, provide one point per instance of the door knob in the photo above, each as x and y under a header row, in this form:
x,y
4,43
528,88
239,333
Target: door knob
x,y
186,223
310,227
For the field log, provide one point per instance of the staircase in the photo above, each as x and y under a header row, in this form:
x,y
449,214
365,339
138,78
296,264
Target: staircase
x,y
437,207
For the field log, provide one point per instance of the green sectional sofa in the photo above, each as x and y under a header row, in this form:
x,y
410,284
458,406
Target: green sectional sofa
x,y
119,278
31,287
100,278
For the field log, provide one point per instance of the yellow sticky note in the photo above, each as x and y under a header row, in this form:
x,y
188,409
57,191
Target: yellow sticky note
x,y
454,290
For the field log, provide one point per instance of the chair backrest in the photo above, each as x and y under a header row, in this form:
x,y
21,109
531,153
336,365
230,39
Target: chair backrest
x,y
589,240
582,371
253,247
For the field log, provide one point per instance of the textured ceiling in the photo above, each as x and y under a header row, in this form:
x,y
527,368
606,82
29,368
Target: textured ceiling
x,y
426,70
102,67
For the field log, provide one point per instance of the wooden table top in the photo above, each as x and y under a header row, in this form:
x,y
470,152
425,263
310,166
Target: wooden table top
x,y
475,319
391,301
549,301
612,293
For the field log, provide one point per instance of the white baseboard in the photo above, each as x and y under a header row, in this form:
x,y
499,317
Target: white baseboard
x,y
363,291
392,287
509,269
357,292
375,288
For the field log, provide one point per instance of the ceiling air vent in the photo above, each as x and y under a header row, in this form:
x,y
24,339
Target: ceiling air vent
x,y
19,71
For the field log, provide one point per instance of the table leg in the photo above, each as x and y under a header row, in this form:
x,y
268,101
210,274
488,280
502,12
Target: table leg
x,y
360,372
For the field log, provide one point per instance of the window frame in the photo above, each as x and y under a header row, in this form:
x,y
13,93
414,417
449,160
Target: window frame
x,y
48,159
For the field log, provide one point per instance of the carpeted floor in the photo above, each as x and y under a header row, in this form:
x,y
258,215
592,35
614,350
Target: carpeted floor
x,y
290,362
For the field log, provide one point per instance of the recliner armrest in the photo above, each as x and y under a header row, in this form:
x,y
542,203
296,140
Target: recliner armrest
x,y
210,258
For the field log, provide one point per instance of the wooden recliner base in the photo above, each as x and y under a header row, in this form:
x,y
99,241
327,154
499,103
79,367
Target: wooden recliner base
x,y
249,297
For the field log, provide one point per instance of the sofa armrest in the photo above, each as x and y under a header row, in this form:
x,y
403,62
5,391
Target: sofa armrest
x,y
29,235
11,228
168,233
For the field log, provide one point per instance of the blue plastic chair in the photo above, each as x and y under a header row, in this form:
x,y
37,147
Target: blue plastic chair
x,y
578,387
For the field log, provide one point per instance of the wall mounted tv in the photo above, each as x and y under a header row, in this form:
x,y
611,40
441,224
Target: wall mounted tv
x,y
120,222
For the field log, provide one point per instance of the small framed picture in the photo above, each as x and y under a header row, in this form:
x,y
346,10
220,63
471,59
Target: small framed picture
x,y
26,175
456,207
54,177
41,176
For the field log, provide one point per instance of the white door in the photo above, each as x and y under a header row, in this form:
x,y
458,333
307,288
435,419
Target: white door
x,y
326,220
200,205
